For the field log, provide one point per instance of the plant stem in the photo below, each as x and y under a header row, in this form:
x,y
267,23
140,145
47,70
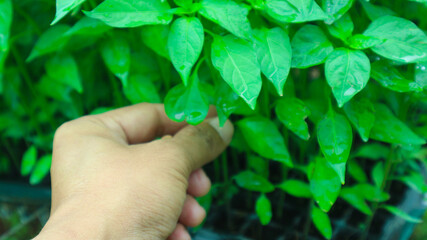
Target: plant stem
x,y
387,173
307,223
117,94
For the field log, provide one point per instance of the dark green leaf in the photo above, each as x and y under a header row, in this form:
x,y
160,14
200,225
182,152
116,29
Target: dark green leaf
x,y
335,9
258,165
50,41
227,101
374,11
322,222
296,188
185,43
361,114
325,184
269,142
88,26
398,212
292,112
389,77
404,41
388,128
63,69
371,193
41,169
374,151
294,11
310,47
378,174
335,137
188,103
356,199
414,180
116,55
360,41
342,28
54,89
156,37
63,7
140,88
356,171
131,13
347,72
28,161
253,182
236,60
274,55
229,15
263,209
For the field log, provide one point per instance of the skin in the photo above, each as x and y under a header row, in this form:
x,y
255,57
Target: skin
x,y
112,178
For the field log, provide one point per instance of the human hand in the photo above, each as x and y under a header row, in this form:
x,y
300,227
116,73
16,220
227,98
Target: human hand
x,y
112,180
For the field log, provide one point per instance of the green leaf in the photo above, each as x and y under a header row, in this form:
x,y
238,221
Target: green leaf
x,y
378,174
6,15
310,47
50,41
398,212
140,88
404,41
292,112
335,137
374,11
236,60
389,77
183,3
360,41
356,199
229,15
116,55
88,27
388,128
253,182
263,209
421,74
295,11
325,184
371,193
28,161
374,151
63,7
347,73
356,171
227,101
322,222
190,103
265,139
341,28
54,89
155,37
296,188
361,114
185,43
63,69
41,169
414,180
131,13
274,55
335,9
258,165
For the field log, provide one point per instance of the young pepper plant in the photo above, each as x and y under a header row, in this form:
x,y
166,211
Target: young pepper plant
x,y
322,90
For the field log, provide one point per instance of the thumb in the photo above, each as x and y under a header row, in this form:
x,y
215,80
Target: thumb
x,y
204,142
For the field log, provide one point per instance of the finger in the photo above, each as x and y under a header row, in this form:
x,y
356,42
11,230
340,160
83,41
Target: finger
x,y
192,213
199,183
202,143
142,122
180,233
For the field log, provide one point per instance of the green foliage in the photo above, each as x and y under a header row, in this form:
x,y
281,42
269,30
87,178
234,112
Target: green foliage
x,y
323,92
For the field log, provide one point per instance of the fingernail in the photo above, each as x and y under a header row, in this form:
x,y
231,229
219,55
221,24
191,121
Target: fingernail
x,y
226,131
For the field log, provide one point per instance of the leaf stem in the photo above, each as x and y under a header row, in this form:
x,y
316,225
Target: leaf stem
x,y
213,35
